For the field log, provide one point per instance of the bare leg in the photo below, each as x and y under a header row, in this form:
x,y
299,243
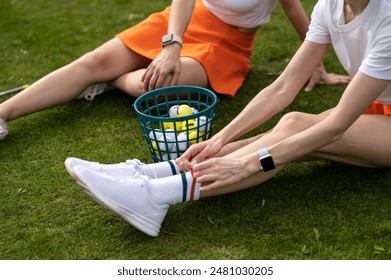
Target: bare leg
x,y
106,63
192,73
233,146
364,144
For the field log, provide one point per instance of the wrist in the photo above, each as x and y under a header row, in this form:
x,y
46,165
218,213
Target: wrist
x,y
173,48
225,135
251,164
266,160
218,138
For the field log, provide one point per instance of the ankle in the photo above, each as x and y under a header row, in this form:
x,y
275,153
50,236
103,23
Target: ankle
x,y
175,189
3,115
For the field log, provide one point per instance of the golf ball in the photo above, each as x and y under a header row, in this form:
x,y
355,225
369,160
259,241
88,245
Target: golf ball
x,y
201,124
188,125
182,141
193,137
164,145
173,112
194,110
184,110
157,133
169,133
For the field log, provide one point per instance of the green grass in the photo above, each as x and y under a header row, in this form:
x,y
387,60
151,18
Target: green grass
x,y
317,210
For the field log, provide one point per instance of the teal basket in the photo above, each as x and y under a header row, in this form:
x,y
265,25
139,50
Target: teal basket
x,y
168,134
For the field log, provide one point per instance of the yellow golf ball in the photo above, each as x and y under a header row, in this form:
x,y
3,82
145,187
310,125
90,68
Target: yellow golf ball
x,y
168,125
188,125
193,137
154,147
184,110
172,125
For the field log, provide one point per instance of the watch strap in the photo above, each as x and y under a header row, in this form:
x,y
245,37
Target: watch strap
x,y
263,152
266,160
171,38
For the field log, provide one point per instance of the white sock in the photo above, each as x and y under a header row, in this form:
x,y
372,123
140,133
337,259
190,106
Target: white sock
x,y
175,189
162,169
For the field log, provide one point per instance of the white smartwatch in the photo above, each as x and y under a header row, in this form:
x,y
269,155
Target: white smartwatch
x,y
266,160
171,38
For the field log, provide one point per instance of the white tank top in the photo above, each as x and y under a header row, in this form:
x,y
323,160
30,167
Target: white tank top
x,y
241,13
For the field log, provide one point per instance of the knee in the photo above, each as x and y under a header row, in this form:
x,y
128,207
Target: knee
x,y
93,62
133,87
130,83
293,122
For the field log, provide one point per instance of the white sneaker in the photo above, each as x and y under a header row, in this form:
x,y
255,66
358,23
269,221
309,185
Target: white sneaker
x,y
93,90
130,198
122,170
3,129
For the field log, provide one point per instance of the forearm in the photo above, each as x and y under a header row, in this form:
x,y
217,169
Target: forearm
x,y
297,16
262,107
180,15
304,143
277,96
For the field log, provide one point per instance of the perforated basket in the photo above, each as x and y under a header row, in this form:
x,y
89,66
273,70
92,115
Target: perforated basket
x,y
168,137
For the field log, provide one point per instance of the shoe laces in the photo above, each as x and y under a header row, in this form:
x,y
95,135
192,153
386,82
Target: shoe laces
x,y
139,167
144,179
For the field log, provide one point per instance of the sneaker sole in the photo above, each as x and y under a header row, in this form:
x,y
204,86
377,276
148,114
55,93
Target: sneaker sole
x,y
143,224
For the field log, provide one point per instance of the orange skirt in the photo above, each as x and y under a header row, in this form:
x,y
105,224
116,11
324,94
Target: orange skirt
x,y
222,50
378,108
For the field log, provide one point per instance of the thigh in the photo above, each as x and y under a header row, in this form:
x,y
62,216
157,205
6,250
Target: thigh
x,y
192,73
113,59
366,143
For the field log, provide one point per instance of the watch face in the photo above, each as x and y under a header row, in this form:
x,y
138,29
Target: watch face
x,y
267,163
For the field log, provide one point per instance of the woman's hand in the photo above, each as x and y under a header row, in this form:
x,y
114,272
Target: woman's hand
x,y
163,70
321,77
198,152
220,172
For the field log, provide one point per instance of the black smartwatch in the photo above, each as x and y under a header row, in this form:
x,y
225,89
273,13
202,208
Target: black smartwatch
x,y
266,160
171,38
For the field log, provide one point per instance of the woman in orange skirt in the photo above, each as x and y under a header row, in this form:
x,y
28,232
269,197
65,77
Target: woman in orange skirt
x,y
186,43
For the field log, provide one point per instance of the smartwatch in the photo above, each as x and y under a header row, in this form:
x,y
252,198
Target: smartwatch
x,y
171,38
266,160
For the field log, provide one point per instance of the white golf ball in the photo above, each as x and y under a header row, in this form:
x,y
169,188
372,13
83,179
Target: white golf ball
x,y
173,112
165,144
194,110
201,124
169,156
158,134
170,133
174,154
182,141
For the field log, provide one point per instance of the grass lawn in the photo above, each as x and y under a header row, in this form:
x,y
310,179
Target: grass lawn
x,y
317,210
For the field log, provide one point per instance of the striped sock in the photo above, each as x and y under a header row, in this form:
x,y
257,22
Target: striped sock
x,y
162,169
175,189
